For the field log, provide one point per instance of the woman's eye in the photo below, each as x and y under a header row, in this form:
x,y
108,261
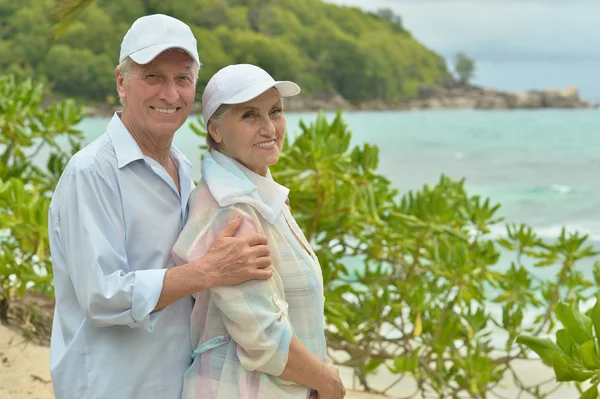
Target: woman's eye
x,y
248,115
277,111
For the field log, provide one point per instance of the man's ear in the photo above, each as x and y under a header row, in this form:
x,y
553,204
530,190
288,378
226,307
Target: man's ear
x,y
213,130
120,84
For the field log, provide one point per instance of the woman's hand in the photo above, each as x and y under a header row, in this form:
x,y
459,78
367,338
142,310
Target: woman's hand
x,y
335,387
333,390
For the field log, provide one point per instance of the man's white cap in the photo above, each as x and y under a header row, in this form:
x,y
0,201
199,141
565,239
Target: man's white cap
x,y
236,84
151,35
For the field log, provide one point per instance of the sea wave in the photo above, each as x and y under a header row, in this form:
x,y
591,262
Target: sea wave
x,y
562,189
555,188
591,229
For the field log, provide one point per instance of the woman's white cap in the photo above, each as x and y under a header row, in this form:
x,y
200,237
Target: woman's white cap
x,y
236,84
151,35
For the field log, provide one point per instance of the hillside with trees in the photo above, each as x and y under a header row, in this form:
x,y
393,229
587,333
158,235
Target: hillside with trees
x,y
324,47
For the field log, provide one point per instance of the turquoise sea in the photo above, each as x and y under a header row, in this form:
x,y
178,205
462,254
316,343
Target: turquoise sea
x,y
543,166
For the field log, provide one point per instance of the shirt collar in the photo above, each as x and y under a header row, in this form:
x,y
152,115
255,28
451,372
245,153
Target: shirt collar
x,y
128,150
231,182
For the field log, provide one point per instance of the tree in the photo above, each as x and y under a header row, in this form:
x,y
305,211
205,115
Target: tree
x,y
388,15
464,68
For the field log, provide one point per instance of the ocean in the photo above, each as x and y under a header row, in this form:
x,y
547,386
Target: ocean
x,y
543,166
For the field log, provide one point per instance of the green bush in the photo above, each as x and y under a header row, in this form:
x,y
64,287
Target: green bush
x,y
28,129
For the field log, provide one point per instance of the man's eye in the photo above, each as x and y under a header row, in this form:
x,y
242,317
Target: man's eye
x,y
248,115
151,76
277,111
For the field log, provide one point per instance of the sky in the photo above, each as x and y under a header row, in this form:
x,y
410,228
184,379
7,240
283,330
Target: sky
x,y
516,44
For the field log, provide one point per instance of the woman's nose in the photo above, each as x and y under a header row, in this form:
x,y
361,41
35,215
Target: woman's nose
x,y
268,129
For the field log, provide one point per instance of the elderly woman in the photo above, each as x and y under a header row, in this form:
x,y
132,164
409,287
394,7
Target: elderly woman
x,y
264,338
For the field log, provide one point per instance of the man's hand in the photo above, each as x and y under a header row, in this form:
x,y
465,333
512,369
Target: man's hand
x,y
230,260
237,256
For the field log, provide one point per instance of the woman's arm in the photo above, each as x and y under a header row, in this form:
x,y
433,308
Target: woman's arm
x,y
305,369
255,315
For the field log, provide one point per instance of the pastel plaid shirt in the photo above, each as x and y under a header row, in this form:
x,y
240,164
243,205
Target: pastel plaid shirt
x,y
242,333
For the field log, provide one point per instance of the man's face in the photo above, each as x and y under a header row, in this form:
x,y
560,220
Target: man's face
x,y
158,96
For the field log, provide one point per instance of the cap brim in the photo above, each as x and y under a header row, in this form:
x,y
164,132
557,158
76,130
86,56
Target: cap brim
x,y
147,54
285,88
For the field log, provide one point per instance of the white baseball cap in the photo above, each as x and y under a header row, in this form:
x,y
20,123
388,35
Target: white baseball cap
x,y
152,34
236,84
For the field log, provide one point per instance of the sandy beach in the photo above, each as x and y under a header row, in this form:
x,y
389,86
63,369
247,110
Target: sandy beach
x,y
24,374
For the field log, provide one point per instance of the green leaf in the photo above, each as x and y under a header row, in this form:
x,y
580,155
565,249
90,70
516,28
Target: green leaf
x,y
565,342
566,371
579,325
544,347
595,316
590,393
589,356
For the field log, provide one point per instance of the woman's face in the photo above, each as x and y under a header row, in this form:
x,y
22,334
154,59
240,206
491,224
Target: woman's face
x,y
252,133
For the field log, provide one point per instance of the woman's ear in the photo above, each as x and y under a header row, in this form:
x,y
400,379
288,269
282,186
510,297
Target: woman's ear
x,y
213,130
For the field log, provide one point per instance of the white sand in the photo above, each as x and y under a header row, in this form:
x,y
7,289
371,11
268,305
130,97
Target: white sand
x,y
24,374
23,368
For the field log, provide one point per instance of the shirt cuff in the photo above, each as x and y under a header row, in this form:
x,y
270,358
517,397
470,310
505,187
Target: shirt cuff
x,y
147,288
279,360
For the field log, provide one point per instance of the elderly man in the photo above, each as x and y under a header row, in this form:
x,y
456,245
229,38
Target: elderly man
x,y
122,320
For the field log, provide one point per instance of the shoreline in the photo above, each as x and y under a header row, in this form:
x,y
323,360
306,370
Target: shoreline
x,y
429,98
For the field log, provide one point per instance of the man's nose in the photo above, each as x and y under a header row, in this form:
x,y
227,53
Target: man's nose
x,y
169,93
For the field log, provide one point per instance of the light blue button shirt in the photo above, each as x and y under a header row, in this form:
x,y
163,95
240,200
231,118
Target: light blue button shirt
x,y
113,220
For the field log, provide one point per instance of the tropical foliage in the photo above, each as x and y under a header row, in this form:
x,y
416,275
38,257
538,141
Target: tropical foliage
x,y
29,131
